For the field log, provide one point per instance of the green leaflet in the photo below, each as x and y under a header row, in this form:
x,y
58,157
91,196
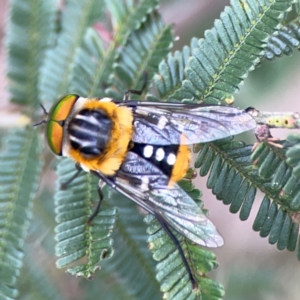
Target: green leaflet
x,y
75,237
36,283
234,179
220,62
128,16
272,166
58,67
30,31
19,179
90,66
143,51
210,70
171,73
171,272
293,154
131,266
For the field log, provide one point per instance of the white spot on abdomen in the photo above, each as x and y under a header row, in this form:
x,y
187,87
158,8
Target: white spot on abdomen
x,y
148,151
159,154
171,159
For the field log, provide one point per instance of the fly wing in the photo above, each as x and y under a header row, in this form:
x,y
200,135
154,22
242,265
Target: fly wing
x,y
164,123
148,187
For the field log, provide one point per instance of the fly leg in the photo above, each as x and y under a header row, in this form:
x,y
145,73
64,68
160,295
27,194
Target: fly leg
x,y
64,185
127,93
161,220
171,235
97,208
262,132
102,180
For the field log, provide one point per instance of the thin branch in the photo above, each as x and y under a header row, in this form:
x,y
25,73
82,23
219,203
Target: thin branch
x,y
289,120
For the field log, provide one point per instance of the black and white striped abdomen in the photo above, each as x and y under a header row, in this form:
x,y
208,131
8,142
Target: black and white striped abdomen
x,y
90,131
162,156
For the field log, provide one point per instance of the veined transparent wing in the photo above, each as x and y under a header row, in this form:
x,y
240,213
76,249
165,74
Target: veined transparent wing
x,y
164,123
148,187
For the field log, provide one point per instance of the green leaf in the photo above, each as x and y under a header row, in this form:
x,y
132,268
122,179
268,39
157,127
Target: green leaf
x,y
234,180
277,224
128,16
171,271
287,38
19,178
131,267
143,51
171,73
90,66
221,61
75,237
273,168
229,166
58,68
96,63
36,283
30,31
293,154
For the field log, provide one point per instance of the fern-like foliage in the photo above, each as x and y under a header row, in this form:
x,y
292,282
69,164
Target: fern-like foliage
x,y
19,177
223,71
97,62
128,16
58,67
171,273
138,55
293,154
281,184
288,37
75,244
90,67
171,73
36,283
230,174
234,179
30,33
222,60
46,64
75,238
131,266
278,224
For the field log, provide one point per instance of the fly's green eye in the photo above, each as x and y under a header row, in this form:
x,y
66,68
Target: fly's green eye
x,y
59,113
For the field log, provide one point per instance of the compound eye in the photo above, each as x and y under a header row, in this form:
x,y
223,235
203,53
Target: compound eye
x,y
57,115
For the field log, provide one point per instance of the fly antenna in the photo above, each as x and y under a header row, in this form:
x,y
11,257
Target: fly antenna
x,y
39,123
45,112
44,109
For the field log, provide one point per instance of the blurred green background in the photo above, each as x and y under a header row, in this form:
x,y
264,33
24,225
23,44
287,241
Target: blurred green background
x,y
250,268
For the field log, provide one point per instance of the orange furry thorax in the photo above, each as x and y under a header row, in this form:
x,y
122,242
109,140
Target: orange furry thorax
x,y
115,151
